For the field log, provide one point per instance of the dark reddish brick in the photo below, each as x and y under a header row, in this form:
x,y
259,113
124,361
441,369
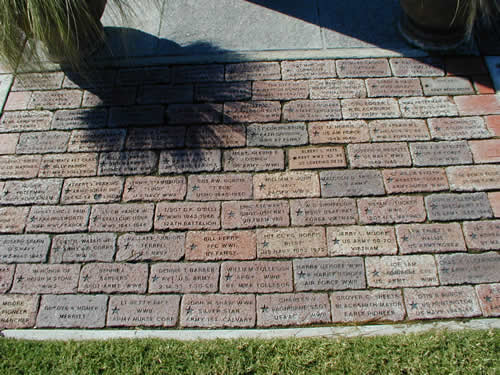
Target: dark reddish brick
x,y
291,243
58,219
384,87
308,69
162,94
8,143
251,214
79,119
400,209
92,190
277,135
194,113
430,238
13,219
370,108
311,110
43,142
351,183
24,248
293,309
55,99
113,278
187,215
253,160
31,192
69,165
286,185
486,151
70,248
216,136
256,277
155,138
421,67
254,111
478,105
184,278
339,132
181,161
337,88
489,299
361,240
25,121
467,206
38,81
122,218
378,155
434,106
224,91
152,188
219,187
316,157
493,123
363,68
474,178
198,73
333,211
18,311
482,235
440,153
97,140
411,180
127,163
220,245
6,277
483,84
46,278
133,76
399,130
150,247
136,115
253,71
458,128
19,166
280,90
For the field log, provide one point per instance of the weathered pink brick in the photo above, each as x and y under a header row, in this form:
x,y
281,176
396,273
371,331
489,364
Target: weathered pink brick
x,y
223,136
256,277
434,106
400,209
35,191
69,165
482,235
399,130
17,100
97,140
151,247
440,153
361,240
8,143
478,105
308,69
46,278
38,81
219,187
6,277
92,190
469,268
19,166
218,311
486,151
337,88
351,183
286,185
332,211
280,90
162,94
493,123
253,159
291,242
383,87
136,115
184,277
155,138
113,278
420,67
410,180
152,188
376,155
107,96
72,248
293,309
187,215
43,142
55,99
474,178
454,128
311,110
198,73
363,68
25,121
13,219
251,214
253,71
370,108
489,299
223,91
277,134
316,157
122,218
466,206
494,198
447,86
24,248
355,131
197,160
58,219
221,245
17,311
254,111
127,163
430,238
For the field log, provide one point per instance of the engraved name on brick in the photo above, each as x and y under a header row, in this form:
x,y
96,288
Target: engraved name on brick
x,y
489,299
310,110
127,163
482,235
280,90
54,219
370,108
45,278
409,180
333,211
339,132
219,245
337,88
469,268
42,142
270,135
31,192
361,240
97,140
254,111
447,86
150,247
291,243
55,99
399,130
18,311
180,161
68,248
92,190
155,138
24,249
219,187
308,69
454,128
6,277
422,67
152,188
19,166
252,214
187,215
224,91
401,209
474,178
38,81
377,155
317,157
445,207
250,71
69,165
435,106
113,278
79,119
351,183
384,87
253,159
440,153
13,219
184,278
141,115
198,73
363,68
211,136
430,238
286,185
122,218
25,121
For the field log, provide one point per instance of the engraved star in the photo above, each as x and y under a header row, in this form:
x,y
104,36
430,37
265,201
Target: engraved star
x,y
262,186
299,212
356,156
368,210
326,183
316,133
130,188
228,277
96,218
155,278
375,273
336,241
231,214
302,274
193,247
438,128
5,192
405,238
67,191
264,309
445,270
390,179
488,298
127,245
418,153
195,188
85,278
434,206
189,310
265,244
115,310
32,219
413,305
97,196
160,217
20,279
473,236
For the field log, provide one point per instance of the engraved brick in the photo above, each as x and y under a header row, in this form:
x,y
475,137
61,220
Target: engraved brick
x,y
308,69
434,106
351,183
493,123
216,136
286,185
181,161
339,132
127,163
363,68
55,99
219,187
113,278
198,73
122,218
69,248
430,238
18,311
8,143
293,309
220,245
224,91
280,90
79,119
367,306
92,190
441,302
495,203
384,87
256,277
489,299
440,153
400,209
97,140
473,178
411,180
255,111
150,247
253,71
24,248
152,188
317,157
162,94
277,135
6,278
38,81
447,86
13,219
184,278
361,240
25,121
311,110
332,211
58,219
194,113
252,214
291,243
370,108
31,192
90,79
17,100
378,155
337,88
445,207
482,235
329,273
39,143
107,96
69,165
136,115
401,271
148,311
46,278
487,151
422,67
155,138
457,128
19,166
216,310
399,130
253,159
478,105
469,268
74,311
187,215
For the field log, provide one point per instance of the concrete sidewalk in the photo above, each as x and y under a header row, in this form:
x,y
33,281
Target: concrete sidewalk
x,y
263,164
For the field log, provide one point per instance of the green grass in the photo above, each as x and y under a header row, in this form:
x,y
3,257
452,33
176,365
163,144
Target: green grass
x,y
466,352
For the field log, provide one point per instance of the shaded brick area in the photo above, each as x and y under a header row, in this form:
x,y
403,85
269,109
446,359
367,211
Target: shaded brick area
x,y
244,195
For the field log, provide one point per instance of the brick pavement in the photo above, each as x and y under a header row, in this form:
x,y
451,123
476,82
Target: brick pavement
x,y
284,193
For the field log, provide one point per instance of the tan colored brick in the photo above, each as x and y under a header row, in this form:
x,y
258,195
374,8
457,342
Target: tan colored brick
x,y
253,71
291,243
19,166
474,178
411,180
286,185
8,143
434,106
155,138
72,248
400,209
361,240
181,161
486,151
92,190
150,247
204,113
384,87
469,268
332,211
337,88
221,245
370,108
308,69
417,67
58,99
467,206
223,91
24,248
6,277
277,135
317,157
122,218
43,142
35,191
152,188
219,187
58,219
312,110
494,199
253,159
13,219
376,155
38,81
447,86
18,311
489,299
255,111
351,183
210,136
69,165
482,235
363,68
127,163
355,131
25,121
253,214
455,128
184,278
440,153
280,90
430,238
97,140
113,278
187,215
46,278
399,130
